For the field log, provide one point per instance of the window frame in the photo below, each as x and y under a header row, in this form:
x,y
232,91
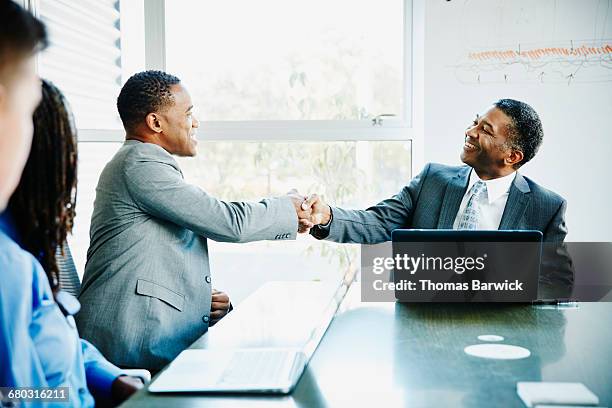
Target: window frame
x,y
289,129
406,129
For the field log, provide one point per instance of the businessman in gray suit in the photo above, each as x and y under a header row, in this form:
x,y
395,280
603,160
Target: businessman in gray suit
x,y
486,193
146,292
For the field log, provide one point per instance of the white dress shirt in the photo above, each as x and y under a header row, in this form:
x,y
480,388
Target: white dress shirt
x,y
492,209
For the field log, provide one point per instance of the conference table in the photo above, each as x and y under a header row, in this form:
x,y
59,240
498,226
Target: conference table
x,y
404,355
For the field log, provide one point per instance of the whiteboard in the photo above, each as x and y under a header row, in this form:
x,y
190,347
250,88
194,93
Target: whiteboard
x,y
555,55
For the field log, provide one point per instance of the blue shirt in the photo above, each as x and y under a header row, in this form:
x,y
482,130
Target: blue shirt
x,y
39,346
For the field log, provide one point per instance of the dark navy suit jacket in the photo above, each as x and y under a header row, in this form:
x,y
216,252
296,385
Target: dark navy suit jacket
x,y
431,201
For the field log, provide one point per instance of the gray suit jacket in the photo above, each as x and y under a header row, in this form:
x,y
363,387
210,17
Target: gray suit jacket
x,y
146,292
431,201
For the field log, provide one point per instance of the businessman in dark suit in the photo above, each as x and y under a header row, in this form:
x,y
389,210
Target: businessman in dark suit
x,y
486,193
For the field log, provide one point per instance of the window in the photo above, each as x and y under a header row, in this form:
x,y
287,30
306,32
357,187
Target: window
x,y
88,55
84,58
289,95
315,60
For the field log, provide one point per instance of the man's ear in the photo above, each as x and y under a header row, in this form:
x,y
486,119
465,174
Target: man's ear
x,y
153,122
515,157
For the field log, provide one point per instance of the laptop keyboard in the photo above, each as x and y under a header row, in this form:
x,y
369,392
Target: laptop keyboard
x,y
256,367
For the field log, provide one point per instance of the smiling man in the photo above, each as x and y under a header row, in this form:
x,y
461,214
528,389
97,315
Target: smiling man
x,y
146,292
487,193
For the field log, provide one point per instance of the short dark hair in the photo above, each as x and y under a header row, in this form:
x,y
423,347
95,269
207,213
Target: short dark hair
x,y
525,131
143,93
20,33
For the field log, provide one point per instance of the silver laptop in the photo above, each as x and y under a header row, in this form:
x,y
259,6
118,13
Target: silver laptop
x,y
245,370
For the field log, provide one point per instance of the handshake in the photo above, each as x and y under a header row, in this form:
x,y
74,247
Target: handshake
x,y
311,210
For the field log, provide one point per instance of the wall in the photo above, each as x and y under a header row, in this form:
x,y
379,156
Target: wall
x,y
572,93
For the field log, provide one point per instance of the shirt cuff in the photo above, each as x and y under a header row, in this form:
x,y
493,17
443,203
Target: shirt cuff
x,y
100,373
101,376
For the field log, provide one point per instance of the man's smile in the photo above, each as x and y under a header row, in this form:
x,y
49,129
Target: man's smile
x,y
469,146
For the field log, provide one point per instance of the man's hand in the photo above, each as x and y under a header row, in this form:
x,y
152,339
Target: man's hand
x,y
298,200
320,213
124,386
219,307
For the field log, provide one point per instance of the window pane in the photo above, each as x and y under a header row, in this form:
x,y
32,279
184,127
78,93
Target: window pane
x,y
348,174
288,59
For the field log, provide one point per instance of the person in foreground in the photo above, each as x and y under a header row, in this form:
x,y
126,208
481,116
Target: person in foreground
x,y
487,193
39,344
146,292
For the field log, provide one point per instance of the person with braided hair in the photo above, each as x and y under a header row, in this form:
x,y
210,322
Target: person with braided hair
x,y
43,205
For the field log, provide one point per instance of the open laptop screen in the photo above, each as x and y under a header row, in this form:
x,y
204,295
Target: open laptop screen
x,y
466,266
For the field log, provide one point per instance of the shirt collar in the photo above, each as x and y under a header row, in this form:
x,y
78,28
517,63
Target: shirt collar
x,y
495,187
131,141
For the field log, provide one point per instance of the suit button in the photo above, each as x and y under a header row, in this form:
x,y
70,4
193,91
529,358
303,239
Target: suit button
x,y
205,319
207,279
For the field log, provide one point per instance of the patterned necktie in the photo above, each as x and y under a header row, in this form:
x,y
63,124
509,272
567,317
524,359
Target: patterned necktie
x,y
471,215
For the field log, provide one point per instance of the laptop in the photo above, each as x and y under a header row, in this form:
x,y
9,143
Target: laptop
x,y
269,370
467,265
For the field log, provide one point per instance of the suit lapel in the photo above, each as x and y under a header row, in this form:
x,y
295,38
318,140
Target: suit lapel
x,y
453,195
518,198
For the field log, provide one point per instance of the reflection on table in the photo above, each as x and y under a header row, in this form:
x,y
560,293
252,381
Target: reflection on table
x,y
392,354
